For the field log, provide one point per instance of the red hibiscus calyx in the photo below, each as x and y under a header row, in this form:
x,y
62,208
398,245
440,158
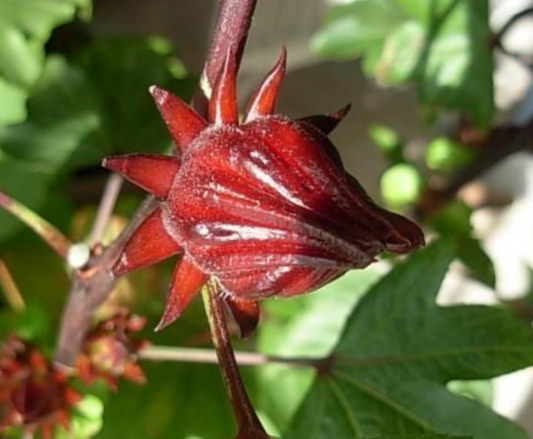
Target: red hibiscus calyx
x,y
34,394
263,206
111,351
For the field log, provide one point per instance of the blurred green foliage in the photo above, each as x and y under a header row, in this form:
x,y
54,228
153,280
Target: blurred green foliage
x,y
25,27
440,46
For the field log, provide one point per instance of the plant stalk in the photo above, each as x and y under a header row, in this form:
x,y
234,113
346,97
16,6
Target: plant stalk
x,y
52,236
248,423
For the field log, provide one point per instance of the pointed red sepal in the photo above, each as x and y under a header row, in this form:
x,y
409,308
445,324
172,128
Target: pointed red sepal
x,y
326,123
407,235
245,313
263,101
182,121
149,244
223,104
152,172
187,281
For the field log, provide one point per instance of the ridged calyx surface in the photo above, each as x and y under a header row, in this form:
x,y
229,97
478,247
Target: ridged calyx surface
x,y
264,206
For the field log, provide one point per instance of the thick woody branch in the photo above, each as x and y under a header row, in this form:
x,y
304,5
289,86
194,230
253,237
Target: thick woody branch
x,y
90,288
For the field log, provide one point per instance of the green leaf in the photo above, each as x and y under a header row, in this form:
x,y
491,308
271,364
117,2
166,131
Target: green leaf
x,y
15,178
355,28
399,350
304,327
80,112
62,131
456,68
453,221
25,26
440,46
122,70
64,124
178,401
419,436
474,257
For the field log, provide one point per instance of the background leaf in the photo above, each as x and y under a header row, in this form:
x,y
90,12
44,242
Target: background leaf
x,y
122,70
304,327
398,351
25,26
439,46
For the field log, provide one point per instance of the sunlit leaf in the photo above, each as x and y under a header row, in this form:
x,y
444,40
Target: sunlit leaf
x,y
398,352
440,46
307,327
25,26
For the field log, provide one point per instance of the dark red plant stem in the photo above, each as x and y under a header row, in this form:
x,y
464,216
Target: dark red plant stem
x,y
249,424
233,23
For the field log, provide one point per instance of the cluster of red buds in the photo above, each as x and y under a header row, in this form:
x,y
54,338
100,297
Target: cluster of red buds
x,y
34,394
110,351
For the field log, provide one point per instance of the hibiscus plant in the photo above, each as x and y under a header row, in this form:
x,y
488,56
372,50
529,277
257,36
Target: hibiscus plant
x,y
296,307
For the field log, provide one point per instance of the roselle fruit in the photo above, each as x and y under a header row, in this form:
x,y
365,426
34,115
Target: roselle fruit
x,y
110,351
34,394
263,206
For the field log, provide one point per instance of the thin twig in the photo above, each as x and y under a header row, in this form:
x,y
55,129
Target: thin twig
x,y
511,22
52,236
105,209
497,39
11,291
209,356
249,424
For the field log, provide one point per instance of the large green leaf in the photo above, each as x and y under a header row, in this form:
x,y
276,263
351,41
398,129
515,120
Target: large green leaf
x,y
398,352
454,222
419,436
179,401
307,326
65,121
122,70
81,112
25,26
441,46
97,106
